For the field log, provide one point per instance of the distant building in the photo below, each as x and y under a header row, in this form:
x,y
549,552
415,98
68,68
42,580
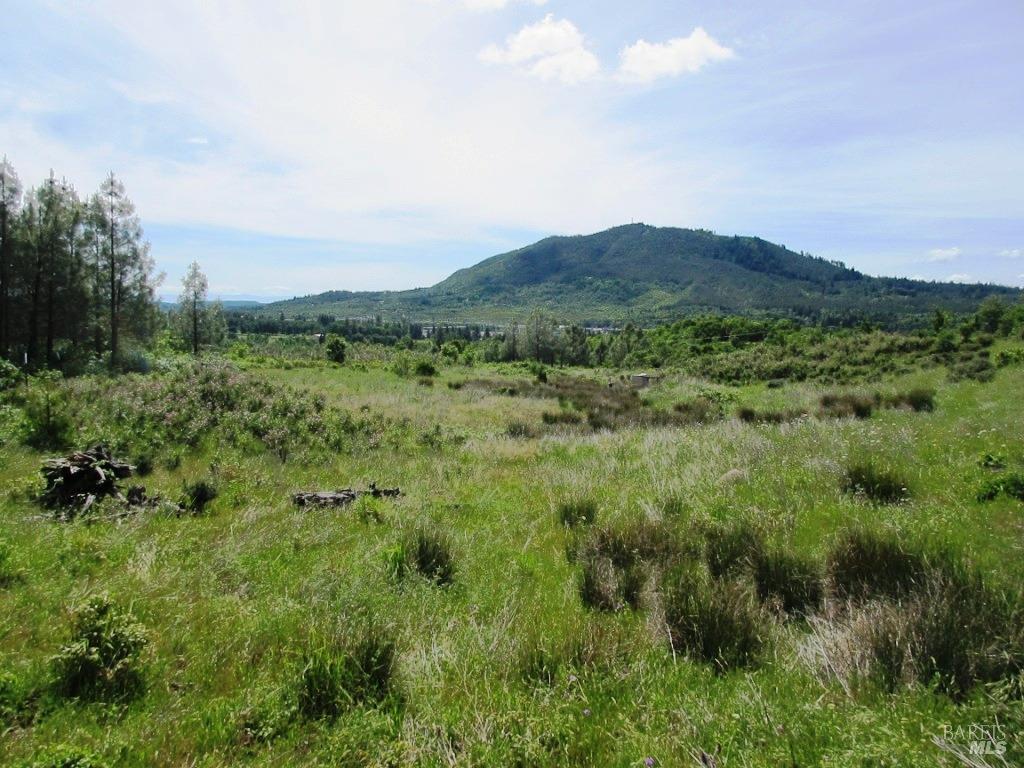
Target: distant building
x,y
641,380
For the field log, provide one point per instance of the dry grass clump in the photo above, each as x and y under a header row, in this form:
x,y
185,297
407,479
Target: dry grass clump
x,y
732,546
715,620
915,616
423,550
619,562
792,581
846,405
876,483
865,563
577,512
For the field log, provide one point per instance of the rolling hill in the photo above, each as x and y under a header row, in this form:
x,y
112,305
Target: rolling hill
x,y
651,274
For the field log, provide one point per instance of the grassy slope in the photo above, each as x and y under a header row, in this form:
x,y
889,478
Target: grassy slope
x,y
229,597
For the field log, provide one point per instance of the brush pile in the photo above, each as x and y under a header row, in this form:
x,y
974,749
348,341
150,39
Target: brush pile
x,y
80,480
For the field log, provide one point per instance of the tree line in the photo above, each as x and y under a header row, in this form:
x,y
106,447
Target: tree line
x,y
76,275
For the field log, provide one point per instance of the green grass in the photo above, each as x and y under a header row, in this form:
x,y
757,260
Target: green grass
x,y
506,664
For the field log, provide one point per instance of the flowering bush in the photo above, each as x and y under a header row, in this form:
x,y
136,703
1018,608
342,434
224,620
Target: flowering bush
x,y
212,402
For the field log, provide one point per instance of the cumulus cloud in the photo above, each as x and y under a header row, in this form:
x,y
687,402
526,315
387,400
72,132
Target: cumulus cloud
x,y
550,49
943,254
960,277
644,62
1012,253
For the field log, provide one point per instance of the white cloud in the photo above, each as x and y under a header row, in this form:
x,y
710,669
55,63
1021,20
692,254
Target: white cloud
x,y
550,49
943,254
643,62
960,277
1012,253
200,141
495,5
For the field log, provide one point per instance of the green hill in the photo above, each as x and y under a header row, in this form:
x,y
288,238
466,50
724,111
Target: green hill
x,y
652,274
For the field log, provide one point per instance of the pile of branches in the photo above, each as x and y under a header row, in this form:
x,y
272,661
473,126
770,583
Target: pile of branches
x,y
83,478
76,482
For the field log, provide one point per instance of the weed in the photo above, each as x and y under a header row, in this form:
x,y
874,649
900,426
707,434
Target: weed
x,y
847,405
1011,485
864,563
101,660
878,484
520,430
577,512
197,495
341,673
713,620
423,550
792,581
732,546
919,399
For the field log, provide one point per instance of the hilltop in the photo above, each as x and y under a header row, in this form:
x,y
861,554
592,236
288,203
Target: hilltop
x,y
652,274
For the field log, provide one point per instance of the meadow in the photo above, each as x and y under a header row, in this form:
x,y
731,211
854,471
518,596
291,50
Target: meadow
x,y
576,573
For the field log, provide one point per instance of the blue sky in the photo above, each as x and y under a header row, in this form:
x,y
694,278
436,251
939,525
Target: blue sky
x,y
300,147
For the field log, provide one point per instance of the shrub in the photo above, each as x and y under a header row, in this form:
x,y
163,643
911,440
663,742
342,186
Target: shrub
x,y
1011,485
336,349
919,399
732,546
846,405
424,368
195,496
520,430
10,375
878,484
47,414
426,551
864,563
792,581
143,464
717,621
561,417
577,512
699,410
349,672
101,660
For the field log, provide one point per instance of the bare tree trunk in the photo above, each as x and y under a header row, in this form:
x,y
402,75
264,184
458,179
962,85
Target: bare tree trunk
x,y
51,301
113,287
5,258
195,325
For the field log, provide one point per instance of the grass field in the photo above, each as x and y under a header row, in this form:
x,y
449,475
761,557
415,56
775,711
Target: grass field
x,y
250,610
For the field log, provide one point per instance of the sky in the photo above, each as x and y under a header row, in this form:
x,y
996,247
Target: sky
x,y
293,148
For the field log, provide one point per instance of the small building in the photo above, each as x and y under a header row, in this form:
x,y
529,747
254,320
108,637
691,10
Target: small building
x,y
643,380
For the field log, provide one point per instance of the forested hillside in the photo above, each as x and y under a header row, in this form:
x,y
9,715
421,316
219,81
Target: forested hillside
x,y
651,275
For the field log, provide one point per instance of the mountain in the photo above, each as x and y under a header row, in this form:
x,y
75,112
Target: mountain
x,y
651,274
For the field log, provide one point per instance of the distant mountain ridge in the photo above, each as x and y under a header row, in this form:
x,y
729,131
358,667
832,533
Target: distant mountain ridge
x,y
653,274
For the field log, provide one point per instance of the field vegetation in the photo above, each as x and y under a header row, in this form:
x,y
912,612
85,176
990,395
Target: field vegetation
x,y
577,571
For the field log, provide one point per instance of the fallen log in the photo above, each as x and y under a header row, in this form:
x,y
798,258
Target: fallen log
x,y
341,498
